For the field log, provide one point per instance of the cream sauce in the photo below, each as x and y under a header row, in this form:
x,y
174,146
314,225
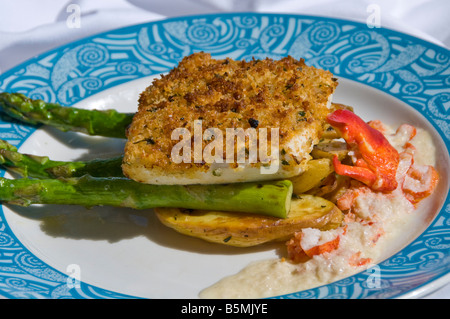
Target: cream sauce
x,y
381,220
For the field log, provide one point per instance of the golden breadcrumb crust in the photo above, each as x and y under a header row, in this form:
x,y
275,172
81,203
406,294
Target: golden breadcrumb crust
x,y
285,94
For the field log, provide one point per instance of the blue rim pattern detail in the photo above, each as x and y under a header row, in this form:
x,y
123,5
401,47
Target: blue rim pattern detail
x,y
412,70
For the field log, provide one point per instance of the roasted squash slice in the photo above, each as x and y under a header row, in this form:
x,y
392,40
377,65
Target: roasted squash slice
x,y
245,230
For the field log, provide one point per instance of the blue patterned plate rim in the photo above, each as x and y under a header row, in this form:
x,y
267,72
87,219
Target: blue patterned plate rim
x,y
399,64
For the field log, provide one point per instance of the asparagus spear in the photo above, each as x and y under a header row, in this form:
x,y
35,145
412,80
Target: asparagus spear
x,y
42,167
108,123
268,198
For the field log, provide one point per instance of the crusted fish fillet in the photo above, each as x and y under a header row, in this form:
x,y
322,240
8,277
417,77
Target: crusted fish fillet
x,y
204,95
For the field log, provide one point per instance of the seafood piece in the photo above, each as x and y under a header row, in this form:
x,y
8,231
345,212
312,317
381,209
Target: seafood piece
x,y
310,242
420,182
376,160
415,180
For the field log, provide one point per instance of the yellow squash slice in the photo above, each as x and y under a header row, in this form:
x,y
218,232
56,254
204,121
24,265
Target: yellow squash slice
x,y
316,171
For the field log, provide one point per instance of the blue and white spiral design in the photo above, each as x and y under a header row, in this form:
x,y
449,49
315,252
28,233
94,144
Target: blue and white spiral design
x,y
92,55
324,33
204,34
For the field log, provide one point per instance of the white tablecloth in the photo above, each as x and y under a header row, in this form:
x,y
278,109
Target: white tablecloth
x,y
30,27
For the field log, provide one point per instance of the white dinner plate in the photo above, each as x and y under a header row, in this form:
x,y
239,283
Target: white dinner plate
x,y
124,253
